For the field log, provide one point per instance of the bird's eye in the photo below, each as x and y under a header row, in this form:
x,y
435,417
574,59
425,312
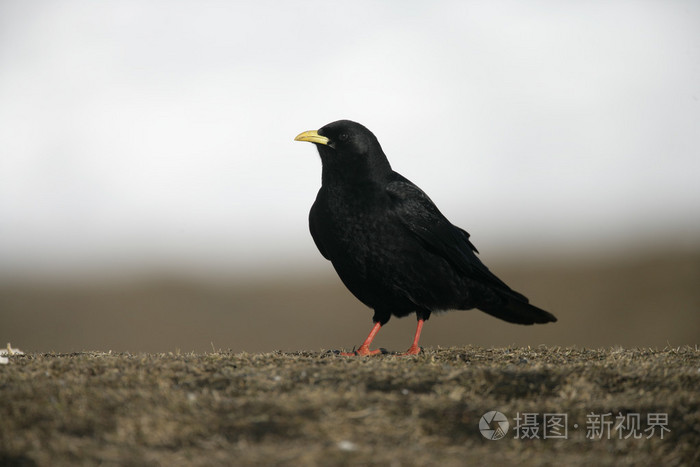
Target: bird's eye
x,y
343,137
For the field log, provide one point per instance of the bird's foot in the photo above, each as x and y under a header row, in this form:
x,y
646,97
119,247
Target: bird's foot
x,y
363,351
413,350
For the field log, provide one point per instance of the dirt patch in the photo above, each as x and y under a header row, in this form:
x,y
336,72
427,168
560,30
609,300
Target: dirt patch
x,y
278,408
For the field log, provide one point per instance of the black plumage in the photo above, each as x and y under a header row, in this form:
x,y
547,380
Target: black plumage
x,y
389,243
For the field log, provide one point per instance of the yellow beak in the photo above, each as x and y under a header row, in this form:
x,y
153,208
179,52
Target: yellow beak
x,y
312,136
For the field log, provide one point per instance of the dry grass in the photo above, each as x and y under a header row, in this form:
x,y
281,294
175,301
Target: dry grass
x,y
226,408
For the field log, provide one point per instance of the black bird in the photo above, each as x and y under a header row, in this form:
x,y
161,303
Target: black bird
x,y
391,246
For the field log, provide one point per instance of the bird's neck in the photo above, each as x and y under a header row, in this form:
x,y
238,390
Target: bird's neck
x,y
345,172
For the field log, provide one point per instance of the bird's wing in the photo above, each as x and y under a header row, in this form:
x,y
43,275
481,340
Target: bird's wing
x,y
422,218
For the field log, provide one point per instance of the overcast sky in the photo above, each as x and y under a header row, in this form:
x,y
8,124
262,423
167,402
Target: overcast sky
x,y
161,132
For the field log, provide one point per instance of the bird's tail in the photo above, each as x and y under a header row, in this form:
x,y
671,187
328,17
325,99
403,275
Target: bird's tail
x,y
519,312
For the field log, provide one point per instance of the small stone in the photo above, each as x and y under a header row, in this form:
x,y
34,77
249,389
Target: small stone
x,y
346,445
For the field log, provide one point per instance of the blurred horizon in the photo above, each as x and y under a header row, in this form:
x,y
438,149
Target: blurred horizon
x,y
312,266
647,300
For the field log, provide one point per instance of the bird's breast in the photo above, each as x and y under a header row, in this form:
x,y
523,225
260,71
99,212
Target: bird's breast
x,y
359,236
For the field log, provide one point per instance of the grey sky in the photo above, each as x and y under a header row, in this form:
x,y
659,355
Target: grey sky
x,y
161,132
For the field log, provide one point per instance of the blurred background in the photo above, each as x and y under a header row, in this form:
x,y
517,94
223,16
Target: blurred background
x,y
152,197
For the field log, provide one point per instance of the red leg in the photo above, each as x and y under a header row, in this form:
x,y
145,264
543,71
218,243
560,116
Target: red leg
x,y
364,348
414,349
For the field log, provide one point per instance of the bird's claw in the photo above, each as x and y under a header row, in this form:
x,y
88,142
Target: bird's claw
x,y
364,351
413,350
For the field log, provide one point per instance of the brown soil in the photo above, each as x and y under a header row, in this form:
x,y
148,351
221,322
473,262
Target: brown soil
x,y
317,408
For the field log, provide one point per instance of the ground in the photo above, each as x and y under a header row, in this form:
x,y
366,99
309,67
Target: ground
x,y
223,408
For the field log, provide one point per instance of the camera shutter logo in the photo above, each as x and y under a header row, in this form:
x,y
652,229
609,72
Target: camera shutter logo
x,y
493,425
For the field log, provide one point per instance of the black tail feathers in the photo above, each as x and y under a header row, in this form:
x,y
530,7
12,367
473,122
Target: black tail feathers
x,y
519,312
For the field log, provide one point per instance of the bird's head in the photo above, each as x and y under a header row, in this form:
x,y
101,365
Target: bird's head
x,y
348,148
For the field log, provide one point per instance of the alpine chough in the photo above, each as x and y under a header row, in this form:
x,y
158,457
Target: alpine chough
x,y
391,246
